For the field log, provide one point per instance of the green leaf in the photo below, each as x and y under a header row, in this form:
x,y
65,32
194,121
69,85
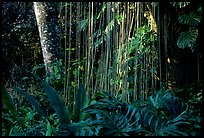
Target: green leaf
x,y
180,4
192,19
34,70
56,70
31,100
49,129
109,27
90,132
187,39
98,42
119,18
82,25
82,133
102,10
57,103
6,100
81,101
119,118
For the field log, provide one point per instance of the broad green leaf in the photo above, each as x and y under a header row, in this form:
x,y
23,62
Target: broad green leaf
x,y
192,19
6,99
57,103
81,101
187,39
31,100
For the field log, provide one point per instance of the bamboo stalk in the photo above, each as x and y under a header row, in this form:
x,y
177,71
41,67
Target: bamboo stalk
x,y
92,52
65,56
165,45
107,47
126,50
69,56
88,51
159,50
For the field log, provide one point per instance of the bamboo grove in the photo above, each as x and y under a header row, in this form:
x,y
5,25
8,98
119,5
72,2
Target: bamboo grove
x,y
121,48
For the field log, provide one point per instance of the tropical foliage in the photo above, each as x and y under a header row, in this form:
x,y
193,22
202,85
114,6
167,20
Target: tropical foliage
x,y
160,115
193,20
102,69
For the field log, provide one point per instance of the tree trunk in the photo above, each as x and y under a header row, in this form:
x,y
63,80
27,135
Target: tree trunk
x,y
49,33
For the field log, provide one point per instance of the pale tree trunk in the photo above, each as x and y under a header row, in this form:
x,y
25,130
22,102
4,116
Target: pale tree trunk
x,y
49,33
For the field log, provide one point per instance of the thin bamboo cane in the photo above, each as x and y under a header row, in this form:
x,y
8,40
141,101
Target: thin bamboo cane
x,y
88,51
165,46
69,55
65,56
92,51
159,47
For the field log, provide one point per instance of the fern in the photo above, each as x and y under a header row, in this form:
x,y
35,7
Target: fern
x,y
188,38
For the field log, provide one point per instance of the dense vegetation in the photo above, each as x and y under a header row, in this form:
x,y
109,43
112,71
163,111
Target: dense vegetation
x,y
102,68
